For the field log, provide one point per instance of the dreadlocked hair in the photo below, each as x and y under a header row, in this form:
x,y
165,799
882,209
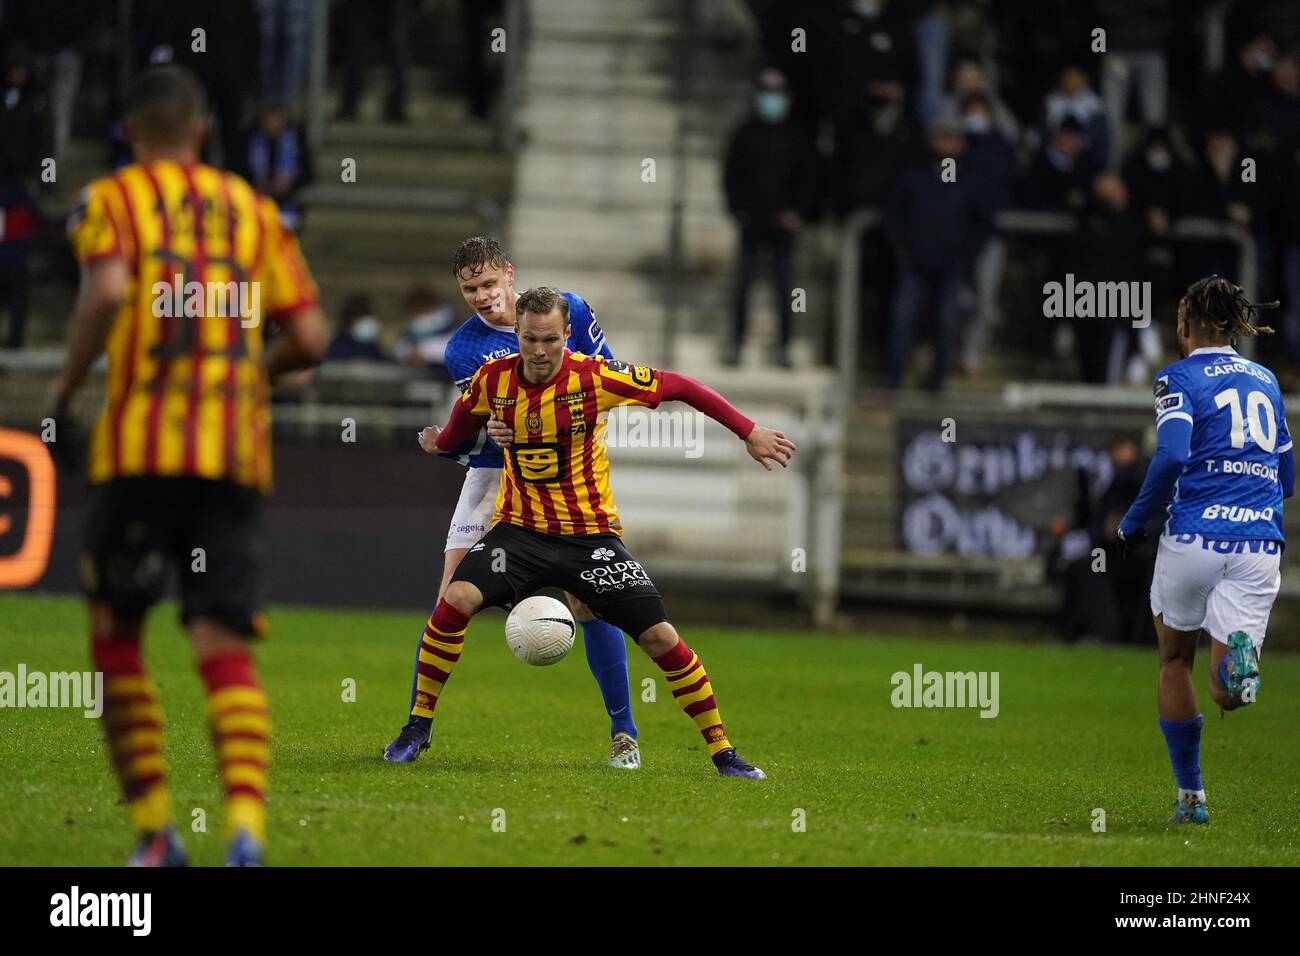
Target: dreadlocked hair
x,y
1218,309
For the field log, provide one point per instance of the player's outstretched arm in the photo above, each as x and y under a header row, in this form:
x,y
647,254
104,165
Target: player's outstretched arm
x,y
765,445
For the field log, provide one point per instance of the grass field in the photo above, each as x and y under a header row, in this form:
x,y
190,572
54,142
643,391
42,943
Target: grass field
x,y
879,785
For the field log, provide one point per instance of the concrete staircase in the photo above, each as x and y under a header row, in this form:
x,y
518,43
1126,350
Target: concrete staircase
x,y
598,100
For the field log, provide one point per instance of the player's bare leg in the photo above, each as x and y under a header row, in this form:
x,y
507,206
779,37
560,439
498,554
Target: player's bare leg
x,y
1180,719
132,723
694,694
1234,671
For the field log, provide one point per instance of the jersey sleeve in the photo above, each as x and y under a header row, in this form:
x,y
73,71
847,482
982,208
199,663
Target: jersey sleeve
x,y
461,365
1283,432
93,227
588,336
475,397
619,383
287,284
1173,400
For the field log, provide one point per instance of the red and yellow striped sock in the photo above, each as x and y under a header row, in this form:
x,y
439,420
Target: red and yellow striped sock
x,y
444,638
133,728
241,733
694,694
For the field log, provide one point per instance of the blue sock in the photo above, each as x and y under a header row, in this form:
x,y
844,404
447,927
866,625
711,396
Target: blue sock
x,y
1184,740
1223,671
607,658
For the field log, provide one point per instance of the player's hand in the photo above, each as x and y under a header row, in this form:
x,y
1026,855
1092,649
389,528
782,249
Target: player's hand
x,y
429,439
500,432
766,446
1128,542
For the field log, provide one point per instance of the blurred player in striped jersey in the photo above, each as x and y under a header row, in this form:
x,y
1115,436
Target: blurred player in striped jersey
x,y
486,278
555,519
181,454
1224,455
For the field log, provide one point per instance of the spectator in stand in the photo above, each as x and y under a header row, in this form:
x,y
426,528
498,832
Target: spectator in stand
x,y
359,20
279,162
1138,35
969,79
1227,96
284,27
769,180
875,62
1158,182
988,167
55,30
1060,177
358,335
932,223
1074,97
932,33
24,142
1219,193
429,324
1110,350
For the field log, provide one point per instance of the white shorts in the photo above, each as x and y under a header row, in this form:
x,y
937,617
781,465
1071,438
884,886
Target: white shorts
x,y
478,499
1221,586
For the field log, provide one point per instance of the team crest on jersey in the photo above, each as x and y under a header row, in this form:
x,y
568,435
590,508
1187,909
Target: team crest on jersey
x,y
533,422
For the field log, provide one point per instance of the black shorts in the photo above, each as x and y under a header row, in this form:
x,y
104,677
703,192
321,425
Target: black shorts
x,y
139,527
509,563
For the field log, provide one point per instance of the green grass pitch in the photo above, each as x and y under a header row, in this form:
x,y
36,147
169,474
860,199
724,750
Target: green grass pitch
x,y
878,785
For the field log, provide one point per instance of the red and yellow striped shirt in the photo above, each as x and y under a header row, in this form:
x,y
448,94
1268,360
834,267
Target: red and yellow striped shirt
x,y
187,393
556,475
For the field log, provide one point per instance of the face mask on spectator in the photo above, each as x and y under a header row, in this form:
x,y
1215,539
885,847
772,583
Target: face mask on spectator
x,y
1263,62
365,329
1159,159
772,107
977,123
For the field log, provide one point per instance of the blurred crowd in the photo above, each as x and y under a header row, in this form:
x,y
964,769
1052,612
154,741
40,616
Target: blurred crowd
x,y
858,103
64,63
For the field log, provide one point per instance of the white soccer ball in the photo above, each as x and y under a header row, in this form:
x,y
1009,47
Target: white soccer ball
x,y
540,630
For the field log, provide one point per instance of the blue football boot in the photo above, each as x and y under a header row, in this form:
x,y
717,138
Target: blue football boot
x,y
731,764
244,850
413,739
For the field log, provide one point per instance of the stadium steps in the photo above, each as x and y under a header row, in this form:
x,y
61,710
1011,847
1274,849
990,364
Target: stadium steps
x,y
383,252
582,217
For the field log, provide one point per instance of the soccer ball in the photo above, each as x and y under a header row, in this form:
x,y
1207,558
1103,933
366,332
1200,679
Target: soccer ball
x,y
540,630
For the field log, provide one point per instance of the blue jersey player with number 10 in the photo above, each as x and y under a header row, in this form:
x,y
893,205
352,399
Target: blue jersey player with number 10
x,y
1224,457
487,282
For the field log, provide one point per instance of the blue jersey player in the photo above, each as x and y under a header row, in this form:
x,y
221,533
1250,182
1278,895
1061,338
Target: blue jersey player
x,y
1224,462
487,281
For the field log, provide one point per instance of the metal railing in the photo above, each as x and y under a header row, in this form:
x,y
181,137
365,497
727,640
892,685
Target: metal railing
x,y
1010,222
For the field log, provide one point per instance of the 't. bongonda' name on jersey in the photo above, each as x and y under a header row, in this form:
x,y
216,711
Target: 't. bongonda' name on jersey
x,y
1229,488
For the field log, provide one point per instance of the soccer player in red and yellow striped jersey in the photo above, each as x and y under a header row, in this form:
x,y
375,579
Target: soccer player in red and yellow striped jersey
x,y
183,266
556,524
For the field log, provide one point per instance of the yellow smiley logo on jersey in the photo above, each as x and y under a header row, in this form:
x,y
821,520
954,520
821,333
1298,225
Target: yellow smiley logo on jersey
x,y
538,462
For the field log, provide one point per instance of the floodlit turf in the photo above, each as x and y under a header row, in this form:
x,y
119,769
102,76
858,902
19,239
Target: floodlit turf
x,y
1076,731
